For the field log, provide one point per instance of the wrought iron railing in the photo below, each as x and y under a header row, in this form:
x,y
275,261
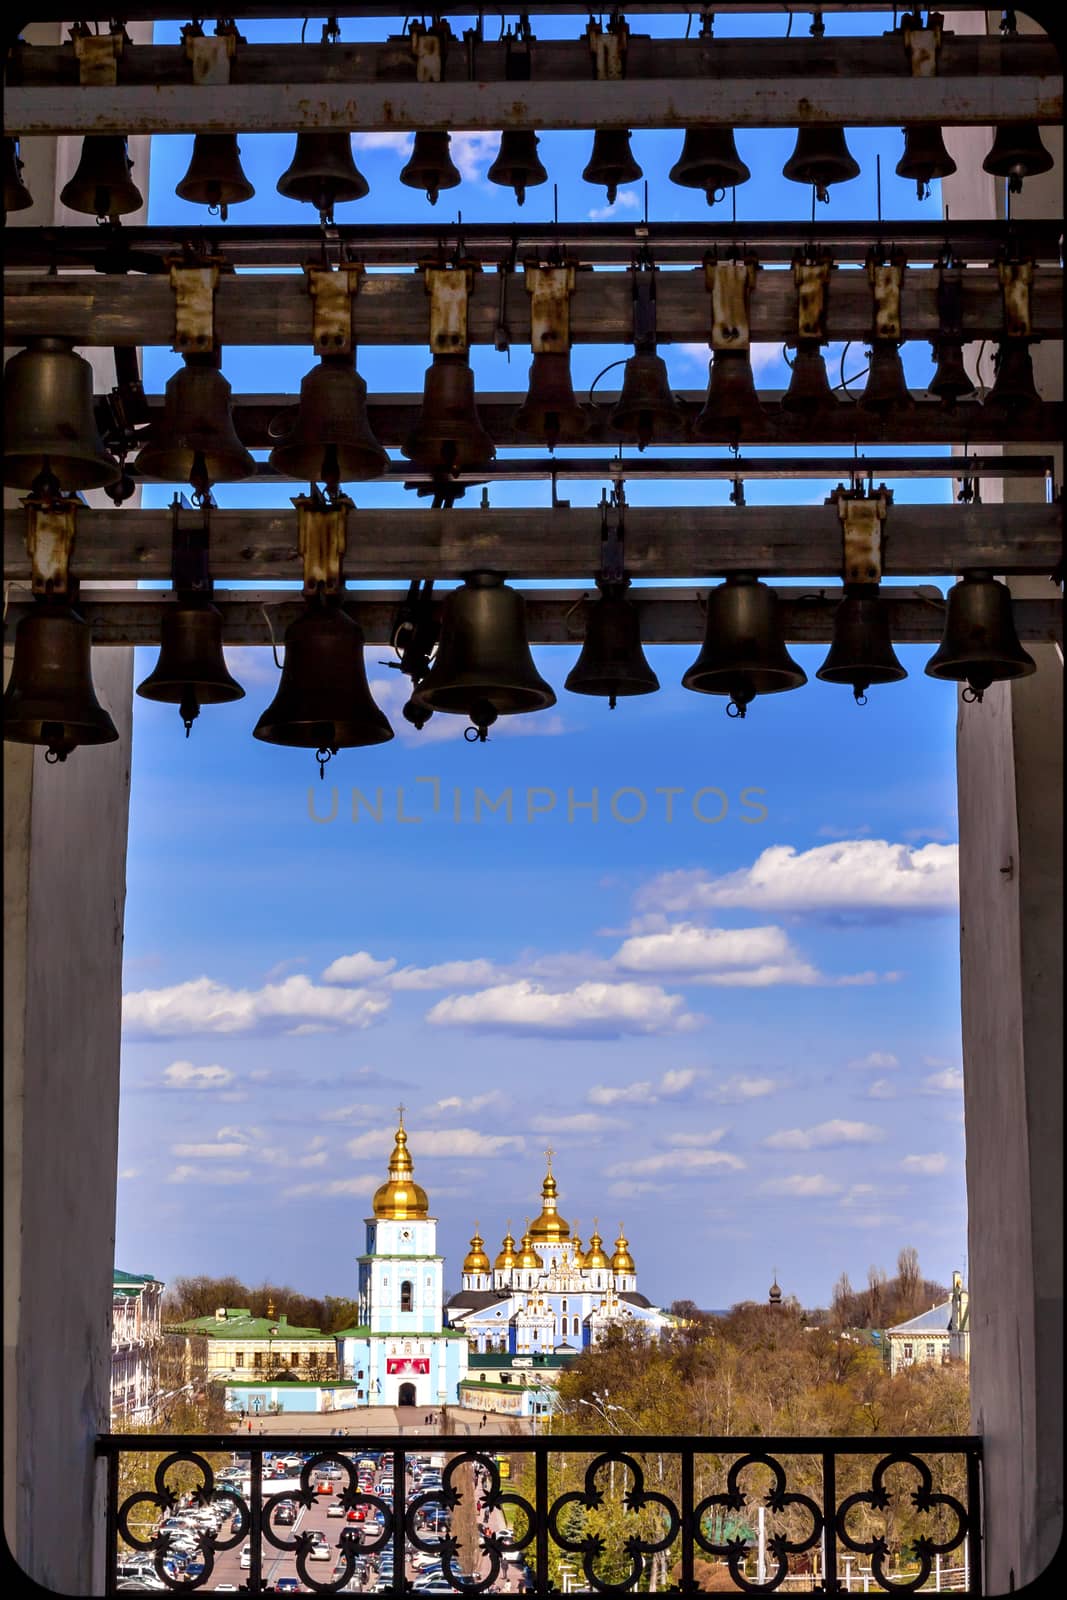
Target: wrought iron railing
x,y
605,1514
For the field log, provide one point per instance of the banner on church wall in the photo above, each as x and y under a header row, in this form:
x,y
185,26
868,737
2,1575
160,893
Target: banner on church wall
x,y
407,1364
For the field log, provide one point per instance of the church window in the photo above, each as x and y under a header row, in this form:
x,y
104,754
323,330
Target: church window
x,y
482,1377
309,1360
576,1325
407,1347
563,1306
407,1295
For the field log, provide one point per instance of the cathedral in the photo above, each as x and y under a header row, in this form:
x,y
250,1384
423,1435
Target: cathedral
x,y
548,1295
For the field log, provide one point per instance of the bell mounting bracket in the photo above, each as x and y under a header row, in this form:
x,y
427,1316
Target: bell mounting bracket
x,y
812,278
885,279
729,283
517,43
331,299
950,301
98,54
449,289
862,519
190,542
643,292
211,56
322,532
612,530
608,47
194,284
922,45
427,50
1016,278
550,290
51,523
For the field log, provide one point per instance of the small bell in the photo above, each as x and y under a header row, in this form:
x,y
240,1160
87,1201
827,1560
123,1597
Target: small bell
x,y
430,166
102,186
925,157
195,439
1017,153
214,177
821,157
16,195
329,439
1014,382
322,172
611,162
612,662
887,388
449,436
50,698
809,390
744,653
191,670
483,668
49,423
979,645
709,161
323,702
516,165
646,410
950,381
550,411
861,650
731,410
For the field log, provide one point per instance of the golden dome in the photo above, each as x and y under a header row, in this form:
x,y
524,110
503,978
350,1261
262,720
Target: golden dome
x,y
476,1259
595,1259
401,1199
528,1256
622,1260
577,1258
507,1258
549,1228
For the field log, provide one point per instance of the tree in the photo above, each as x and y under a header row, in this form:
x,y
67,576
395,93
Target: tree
x,y
909,1280
843,1303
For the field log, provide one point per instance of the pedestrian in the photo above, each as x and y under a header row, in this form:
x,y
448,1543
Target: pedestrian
x,y
250,1425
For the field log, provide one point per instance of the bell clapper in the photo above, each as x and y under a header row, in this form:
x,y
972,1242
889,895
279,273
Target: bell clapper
x,y
322,756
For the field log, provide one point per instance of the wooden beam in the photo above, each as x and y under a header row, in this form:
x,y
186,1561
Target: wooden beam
x,y
660,542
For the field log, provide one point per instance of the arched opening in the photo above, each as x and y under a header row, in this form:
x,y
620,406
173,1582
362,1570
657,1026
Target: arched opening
x,y
407,1296
406,1397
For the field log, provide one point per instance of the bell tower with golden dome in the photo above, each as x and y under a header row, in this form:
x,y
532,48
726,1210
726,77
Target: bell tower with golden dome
x,y
401,1275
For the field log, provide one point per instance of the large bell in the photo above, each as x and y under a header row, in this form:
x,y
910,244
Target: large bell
x,y
49,424
430,166
950,380
324,701
50,698
861,649
550,412
611,162
731,410
887,388
709,161
16,195
809,390
329,438
925,157
517,166
612,662
215,177
449,436
821,157
483,668
102,186
979,645
195,438
646,409
191,671
1017,153
1014,382
322,172
744,653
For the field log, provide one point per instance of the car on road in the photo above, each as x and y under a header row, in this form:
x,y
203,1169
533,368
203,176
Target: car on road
x,y
246,1558
335,1509
288,1586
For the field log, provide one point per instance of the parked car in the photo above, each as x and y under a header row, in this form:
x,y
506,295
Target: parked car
x,y
335,1509
246,1558
320,1552
288,1586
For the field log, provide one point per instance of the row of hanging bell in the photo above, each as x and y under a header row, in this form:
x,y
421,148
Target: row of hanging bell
x,y
448,436
328,439
323,701
191,669
195,441
102,185
49,422
50,697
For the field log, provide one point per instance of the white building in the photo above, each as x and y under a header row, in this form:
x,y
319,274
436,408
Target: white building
x,y
136,1344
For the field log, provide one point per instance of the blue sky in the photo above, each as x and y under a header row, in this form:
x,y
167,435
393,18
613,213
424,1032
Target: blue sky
x,y
740,1035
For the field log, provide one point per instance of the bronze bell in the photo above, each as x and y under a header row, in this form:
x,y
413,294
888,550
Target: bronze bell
x,y
731,410
1017,153
49,425
195,438
329,439
821,157
950,380
191,671
16,195
430,166
449,436
809,388
323,702
646,409
550,411
925,157
214,177
887,388
709,161
102,186
861,650
322,172
744,653
979,645
612,662
611,162
50,698
1014,382
516,165
483,668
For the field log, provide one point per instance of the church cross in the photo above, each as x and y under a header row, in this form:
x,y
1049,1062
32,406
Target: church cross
x,y
400,1112
549,1153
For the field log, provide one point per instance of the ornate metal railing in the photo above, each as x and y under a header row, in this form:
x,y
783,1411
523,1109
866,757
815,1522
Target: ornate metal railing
x,y
601,1515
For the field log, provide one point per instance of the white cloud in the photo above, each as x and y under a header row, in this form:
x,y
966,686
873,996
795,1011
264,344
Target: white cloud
x,y
226,1175
400,142
804,1186
882,1089
688,950
361,967
824,1136
350,1186
184,1075
130,1172
203,1152
356,1111
469,1106
857,1194
851,875
445,975
591,1010
876,1060
679,1163
576,1122
625,200
628,1188
472,151
443,1143
696,1141
251,664
948,1082
675,1081
930,1166
203,1005
738,1089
